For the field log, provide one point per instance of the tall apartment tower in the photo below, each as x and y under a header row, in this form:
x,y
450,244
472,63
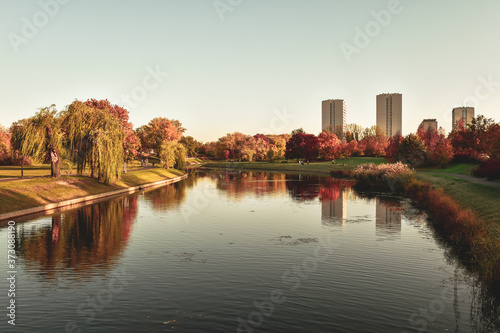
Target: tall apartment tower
x,y
465,113
389,113
429,124
333,113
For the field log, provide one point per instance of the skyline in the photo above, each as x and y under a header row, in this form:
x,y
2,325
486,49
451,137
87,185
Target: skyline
x,y
244,66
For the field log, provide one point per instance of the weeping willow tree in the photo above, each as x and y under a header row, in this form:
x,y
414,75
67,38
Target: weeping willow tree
x,y
40,137
95,138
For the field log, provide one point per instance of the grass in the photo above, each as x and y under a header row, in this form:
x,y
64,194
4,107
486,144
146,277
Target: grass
x,y
321,168
460,168
28,193
482,200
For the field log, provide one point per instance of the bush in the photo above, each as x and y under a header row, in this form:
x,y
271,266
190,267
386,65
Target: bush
x,y
284,161
489,169
382,177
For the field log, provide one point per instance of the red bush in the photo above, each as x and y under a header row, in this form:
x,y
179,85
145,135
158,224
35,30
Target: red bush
x,y
489,169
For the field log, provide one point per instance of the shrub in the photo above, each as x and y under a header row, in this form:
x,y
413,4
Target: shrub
x,y
382,177
489,169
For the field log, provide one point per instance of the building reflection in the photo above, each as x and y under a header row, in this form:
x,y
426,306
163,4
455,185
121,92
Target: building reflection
x,y
388,217
334,211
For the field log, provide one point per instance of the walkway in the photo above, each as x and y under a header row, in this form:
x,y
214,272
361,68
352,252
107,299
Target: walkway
x,y
472,179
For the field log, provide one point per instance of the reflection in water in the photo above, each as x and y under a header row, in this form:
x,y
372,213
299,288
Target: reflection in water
x,y
167,197
239,184
81,239
388,217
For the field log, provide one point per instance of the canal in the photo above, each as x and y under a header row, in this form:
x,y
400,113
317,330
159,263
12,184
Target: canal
x,y
242,252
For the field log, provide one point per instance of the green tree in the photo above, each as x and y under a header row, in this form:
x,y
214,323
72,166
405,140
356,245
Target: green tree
x,y
95,138
180,157
167,154
412,150
191,145
40,137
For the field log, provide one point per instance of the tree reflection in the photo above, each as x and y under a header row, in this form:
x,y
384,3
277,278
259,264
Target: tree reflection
x,y
80,239
168,197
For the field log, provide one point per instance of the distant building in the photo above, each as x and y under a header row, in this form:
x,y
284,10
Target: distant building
x,y
389,113
465,113
429,124
333,114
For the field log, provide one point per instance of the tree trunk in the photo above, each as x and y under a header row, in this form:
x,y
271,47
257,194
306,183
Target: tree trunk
x,y
55,165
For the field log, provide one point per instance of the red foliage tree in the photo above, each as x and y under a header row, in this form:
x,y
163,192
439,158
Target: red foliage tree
x,y
302,145
330,147
391,150
162,129
5,157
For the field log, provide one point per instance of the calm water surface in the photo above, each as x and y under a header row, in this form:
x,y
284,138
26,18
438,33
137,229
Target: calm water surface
x,y
242,252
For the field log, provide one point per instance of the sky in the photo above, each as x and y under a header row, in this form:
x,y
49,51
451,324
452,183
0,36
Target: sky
x,y
252,66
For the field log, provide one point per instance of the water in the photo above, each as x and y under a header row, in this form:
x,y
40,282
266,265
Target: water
x,y
242,252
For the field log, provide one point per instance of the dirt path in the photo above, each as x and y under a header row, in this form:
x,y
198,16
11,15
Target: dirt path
x,y
472,179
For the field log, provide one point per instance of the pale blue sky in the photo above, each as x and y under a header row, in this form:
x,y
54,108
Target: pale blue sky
x,y
263,57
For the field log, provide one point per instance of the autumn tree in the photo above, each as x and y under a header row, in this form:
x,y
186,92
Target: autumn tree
x,y
160,129
40,137
5,146
329,146
392,147
302,145
279,141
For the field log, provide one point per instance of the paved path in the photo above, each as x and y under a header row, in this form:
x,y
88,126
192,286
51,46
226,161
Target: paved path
x,y
472,179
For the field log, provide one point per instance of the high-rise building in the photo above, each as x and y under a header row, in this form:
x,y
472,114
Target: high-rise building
x,y
429,124
389,113
333,114
465,112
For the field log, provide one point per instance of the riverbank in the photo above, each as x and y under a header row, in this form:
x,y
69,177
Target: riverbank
x,y
37,194
314,168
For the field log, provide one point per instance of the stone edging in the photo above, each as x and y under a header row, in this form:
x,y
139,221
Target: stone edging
x,y
88,199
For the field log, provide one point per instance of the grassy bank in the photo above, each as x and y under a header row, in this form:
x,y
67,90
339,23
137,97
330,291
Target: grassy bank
x,y
482,200
460,168
28,193
318,168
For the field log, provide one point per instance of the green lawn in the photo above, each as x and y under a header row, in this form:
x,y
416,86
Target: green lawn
x,y
461,168
483,200
293,166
